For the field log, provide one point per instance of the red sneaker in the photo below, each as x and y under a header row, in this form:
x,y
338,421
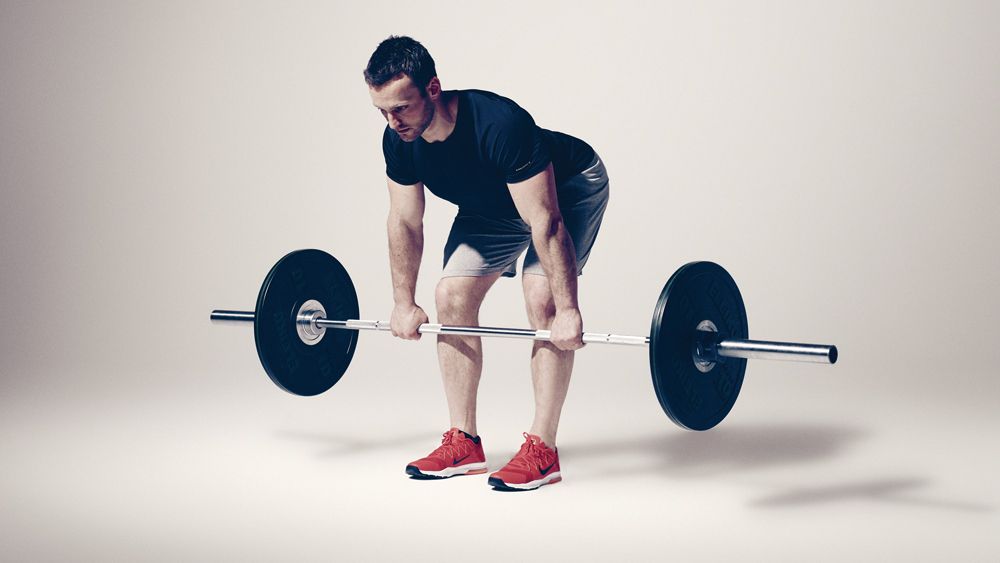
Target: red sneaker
x,y
458,454
534,465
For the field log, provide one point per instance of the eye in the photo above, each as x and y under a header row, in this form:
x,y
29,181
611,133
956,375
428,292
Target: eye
x,y
400,109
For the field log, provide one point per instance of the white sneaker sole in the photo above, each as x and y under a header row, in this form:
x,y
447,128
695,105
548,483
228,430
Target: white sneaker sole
x,y
466,469
532,484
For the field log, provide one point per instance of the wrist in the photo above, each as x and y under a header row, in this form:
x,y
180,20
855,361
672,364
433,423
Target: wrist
x,y
404,301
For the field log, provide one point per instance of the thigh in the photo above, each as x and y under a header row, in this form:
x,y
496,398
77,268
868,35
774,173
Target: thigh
x,y
482,246
582,201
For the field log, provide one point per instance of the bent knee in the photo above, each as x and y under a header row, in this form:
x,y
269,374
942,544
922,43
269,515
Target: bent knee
x,y
541,307
454,302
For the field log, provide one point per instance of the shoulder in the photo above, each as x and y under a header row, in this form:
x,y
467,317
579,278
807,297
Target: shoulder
x,y
495,113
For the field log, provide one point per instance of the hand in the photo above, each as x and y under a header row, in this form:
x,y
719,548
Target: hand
x,y
567,330
406,319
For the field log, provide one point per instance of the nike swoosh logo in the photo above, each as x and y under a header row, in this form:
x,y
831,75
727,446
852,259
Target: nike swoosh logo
x,y
523,167
547,469
455,461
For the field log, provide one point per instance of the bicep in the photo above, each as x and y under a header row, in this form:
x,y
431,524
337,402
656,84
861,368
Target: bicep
x,y
535,198
406,203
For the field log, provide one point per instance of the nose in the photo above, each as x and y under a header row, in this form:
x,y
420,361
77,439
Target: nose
x,y
394,123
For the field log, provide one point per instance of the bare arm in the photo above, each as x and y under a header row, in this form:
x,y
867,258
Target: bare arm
x,y
535,199
405,226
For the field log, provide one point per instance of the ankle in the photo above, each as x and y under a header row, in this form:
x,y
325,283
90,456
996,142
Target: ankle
x,y
546,438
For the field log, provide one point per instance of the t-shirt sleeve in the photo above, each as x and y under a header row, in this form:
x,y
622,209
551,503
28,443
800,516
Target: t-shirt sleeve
x,y
516,146
398,160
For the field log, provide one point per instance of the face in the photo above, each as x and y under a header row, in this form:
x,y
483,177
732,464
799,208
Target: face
x,y
408,113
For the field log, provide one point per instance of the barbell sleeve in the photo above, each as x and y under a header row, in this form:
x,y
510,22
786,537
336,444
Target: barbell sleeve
x,y
787,351
232,317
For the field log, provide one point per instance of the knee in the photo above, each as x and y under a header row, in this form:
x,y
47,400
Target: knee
x,y
454,304
541,308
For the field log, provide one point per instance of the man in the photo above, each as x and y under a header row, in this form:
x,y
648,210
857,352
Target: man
x,y
517,187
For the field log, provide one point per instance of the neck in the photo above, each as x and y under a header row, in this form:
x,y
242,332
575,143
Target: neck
x,y
445,115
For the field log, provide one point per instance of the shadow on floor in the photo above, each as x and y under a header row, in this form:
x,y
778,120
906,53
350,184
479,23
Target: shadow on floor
x,y
894,491
736,450
718,451
339,445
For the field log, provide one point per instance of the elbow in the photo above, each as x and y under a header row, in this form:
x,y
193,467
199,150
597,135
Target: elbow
x,y
396,221
547,226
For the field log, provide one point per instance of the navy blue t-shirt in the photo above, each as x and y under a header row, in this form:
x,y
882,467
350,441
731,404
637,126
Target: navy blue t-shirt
x,y
494,143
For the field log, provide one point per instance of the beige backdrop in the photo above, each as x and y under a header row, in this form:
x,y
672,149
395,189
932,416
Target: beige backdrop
x,y
840,159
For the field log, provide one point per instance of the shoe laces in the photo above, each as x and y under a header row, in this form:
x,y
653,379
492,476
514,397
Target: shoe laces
x,y
450,446
530,455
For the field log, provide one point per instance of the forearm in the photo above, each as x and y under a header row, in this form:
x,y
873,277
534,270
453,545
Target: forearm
x,y
406,246
558,257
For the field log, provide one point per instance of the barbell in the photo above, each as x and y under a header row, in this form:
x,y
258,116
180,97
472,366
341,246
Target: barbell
x,y
306,331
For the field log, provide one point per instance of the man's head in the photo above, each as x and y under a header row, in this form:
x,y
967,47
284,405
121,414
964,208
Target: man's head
x,y
403,85
400,56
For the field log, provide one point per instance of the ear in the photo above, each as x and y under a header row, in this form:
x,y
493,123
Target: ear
x,y
434,88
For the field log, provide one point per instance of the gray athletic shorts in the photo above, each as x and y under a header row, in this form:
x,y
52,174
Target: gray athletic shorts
x,y
480,246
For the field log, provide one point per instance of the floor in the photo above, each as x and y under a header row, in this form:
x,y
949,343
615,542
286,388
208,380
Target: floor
x,y
167,466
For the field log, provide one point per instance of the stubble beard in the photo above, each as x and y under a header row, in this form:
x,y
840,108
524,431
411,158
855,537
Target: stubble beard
x,y
425,123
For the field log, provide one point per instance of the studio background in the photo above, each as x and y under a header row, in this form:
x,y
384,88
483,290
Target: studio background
x,y
839,159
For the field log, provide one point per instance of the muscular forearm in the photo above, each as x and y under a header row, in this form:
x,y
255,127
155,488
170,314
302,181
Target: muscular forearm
x,y
406,246
558,257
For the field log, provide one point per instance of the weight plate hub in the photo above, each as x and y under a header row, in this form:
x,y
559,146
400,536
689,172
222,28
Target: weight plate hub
x,y
292,364
699,291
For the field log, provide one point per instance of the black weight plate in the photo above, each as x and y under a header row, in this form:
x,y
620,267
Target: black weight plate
x,y
696,292
292,364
